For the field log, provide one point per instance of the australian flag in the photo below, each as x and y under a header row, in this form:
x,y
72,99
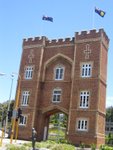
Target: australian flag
x,y
100,12
47,18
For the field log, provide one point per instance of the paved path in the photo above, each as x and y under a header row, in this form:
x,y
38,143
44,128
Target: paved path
x,y
18,142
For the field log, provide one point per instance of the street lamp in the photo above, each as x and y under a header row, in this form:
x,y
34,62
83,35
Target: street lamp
x,y
14,123
9,101
2,74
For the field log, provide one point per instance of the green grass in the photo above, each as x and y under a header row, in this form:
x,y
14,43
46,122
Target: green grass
x,y
56,134
52,145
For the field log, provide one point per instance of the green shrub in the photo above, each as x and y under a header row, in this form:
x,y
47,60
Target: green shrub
x,y
82,145
93,147
52,145
15,147
57,147
68,147
105,147
46,144
63,147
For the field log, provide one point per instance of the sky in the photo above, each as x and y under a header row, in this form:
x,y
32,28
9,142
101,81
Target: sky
x,y
21,19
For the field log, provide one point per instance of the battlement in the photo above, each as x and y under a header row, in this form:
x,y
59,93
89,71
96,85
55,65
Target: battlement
x,y
78,36
92,34
35,40
40,40
60,41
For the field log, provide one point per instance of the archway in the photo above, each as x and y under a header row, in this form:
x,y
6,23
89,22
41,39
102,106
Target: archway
x,y
55,126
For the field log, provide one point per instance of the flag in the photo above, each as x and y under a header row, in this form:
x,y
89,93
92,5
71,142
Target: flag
x,y
100,12
47,18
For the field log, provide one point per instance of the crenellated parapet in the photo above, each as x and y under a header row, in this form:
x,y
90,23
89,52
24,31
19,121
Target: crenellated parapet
x,y
43,39
79,36
60,41
92,34
35,40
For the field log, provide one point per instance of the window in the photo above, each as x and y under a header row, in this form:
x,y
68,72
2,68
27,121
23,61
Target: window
x,y
23,120
86,70
59,73
28,72
84,99
82,125
56,95
25,98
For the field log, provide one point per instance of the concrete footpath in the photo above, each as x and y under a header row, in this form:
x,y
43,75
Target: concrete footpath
x,y
6,141
18,142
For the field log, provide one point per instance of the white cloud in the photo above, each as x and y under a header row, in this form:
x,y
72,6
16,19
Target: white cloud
x,y
109,101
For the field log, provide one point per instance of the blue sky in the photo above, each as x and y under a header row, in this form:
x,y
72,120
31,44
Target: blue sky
x,y
21,19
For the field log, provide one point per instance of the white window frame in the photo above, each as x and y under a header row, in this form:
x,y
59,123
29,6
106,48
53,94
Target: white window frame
x,y
56,97
82,124
86,70
25,98
24,121
28,74
59,72
84,99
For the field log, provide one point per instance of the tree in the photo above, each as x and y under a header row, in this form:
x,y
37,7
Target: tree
x,y
3,110
109,114
54,119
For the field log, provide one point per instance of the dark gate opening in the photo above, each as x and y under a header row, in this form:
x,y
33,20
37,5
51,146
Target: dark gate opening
x,y
57,127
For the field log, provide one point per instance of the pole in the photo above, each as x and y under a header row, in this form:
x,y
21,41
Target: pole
x,y
16,133
2,136
6,124
93,21
16,107
2,74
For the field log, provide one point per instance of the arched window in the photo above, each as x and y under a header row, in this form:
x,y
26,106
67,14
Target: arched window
x,y
59,73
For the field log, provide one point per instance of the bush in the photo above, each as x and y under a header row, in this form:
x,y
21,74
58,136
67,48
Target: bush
x,y
52,145
82,145
105,147
15,147
57,147
93,147
46,144
63,147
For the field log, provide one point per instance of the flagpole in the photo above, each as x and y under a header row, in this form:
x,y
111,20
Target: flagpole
x,y
93,20
42,28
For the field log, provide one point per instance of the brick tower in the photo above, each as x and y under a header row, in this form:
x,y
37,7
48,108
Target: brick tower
x,y
68,76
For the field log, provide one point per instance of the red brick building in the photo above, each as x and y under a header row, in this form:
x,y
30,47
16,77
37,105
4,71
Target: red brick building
x,y
68,76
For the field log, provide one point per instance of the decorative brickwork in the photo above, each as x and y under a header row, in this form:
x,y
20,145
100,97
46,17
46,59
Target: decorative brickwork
x,y
75,69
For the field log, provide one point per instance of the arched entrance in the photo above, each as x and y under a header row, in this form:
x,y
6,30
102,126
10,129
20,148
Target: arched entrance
x,y
55,125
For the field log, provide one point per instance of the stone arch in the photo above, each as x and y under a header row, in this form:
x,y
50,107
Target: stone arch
x,y
46,113
52,59
55,108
